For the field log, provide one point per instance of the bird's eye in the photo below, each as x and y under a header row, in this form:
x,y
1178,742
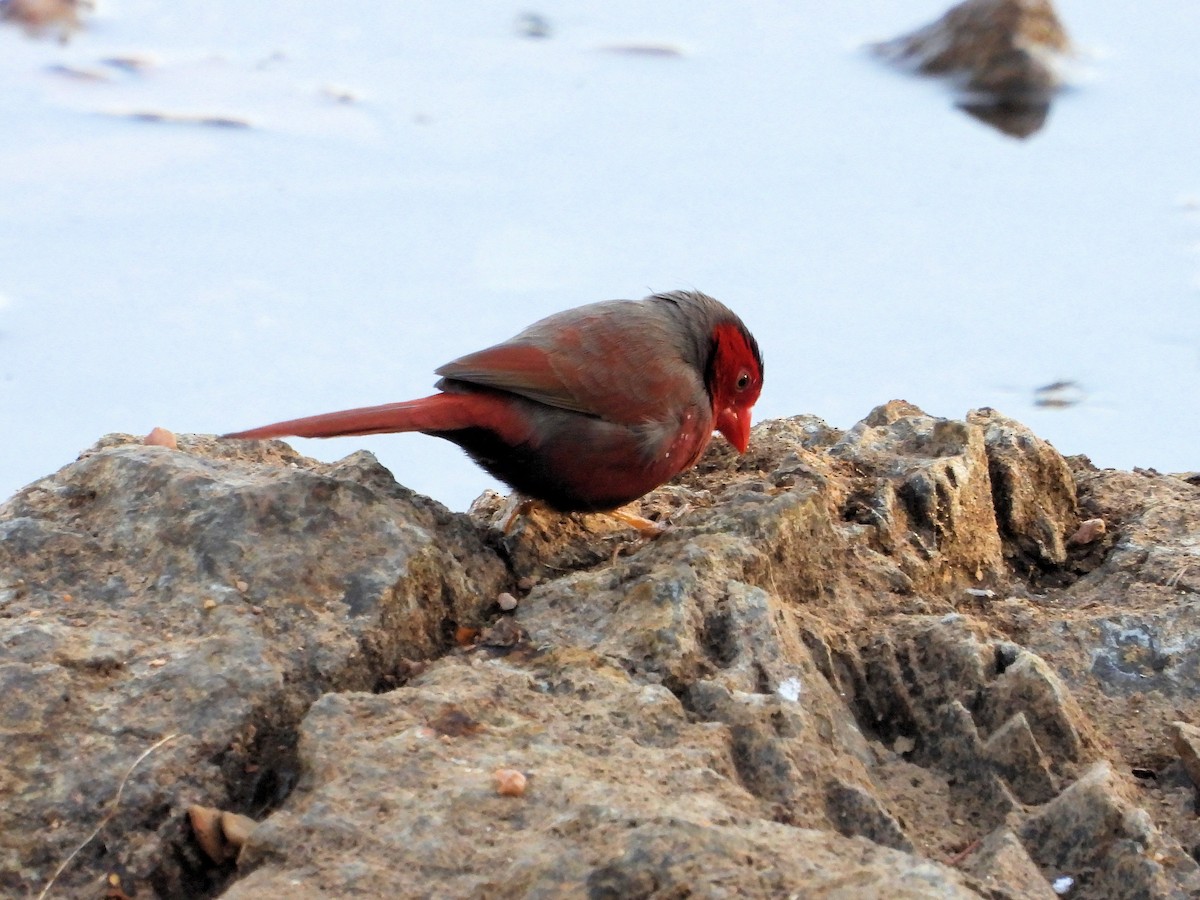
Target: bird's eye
x,y
743,381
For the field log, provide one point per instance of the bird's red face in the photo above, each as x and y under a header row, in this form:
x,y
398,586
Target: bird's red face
x,y
735,380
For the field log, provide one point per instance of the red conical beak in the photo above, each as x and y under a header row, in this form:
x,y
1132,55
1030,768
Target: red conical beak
x,y
735,425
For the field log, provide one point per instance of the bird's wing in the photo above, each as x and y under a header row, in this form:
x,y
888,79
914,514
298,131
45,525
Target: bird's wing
x,y
519,368
609,361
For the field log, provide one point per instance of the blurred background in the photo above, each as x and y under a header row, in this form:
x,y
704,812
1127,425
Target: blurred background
x,y
215,215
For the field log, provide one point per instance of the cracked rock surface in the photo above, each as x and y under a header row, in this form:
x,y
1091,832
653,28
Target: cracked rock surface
x,y
869,663
214,596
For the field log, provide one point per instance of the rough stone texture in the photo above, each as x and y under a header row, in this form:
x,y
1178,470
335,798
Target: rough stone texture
x,y
1003,54
1093,833
1029,688
1018,759
861,663
1001,863
932,509
1033,491
998,46
1186,739
214,594
58,18
628,797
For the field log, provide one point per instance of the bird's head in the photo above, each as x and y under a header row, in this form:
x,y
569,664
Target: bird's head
x,y
734,379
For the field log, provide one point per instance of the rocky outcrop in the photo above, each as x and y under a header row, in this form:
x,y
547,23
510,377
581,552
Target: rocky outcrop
x,y
40,17
1004,56
213,594
880,662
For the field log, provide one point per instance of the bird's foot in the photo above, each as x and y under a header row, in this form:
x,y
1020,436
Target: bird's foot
x,y
516,507
647,528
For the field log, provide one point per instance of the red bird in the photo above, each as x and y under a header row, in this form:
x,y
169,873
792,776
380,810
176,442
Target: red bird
x,y
589,408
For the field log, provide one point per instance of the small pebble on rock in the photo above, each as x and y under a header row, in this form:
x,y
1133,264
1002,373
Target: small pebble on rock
x,y
160,437
790,689
510,783
1087,532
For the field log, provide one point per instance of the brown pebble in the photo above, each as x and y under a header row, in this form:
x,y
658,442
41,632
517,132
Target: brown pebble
x,y
527,583
510,783
160,437
1087,532
1187,744
904,745
241,586
206,825
236,828
507,601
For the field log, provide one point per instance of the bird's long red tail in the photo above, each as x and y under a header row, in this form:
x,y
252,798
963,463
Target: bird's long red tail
x,y
440,412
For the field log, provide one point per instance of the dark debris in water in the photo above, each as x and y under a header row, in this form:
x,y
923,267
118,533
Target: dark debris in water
x,y
134,65
533,25
1059,395
104,70
78,73
659,51
184,119
339,95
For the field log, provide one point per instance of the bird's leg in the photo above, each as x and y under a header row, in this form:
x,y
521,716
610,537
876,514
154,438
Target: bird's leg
x,y
647,528
518,506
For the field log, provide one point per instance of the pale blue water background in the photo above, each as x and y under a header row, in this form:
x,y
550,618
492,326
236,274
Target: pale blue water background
x,y
880,243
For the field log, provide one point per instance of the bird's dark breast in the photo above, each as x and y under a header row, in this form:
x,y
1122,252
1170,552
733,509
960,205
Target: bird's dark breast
x,y
526,472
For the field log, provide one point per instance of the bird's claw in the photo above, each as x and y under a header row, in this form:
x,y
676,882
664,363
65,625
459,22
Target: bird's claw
x,y
515,508
647,528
